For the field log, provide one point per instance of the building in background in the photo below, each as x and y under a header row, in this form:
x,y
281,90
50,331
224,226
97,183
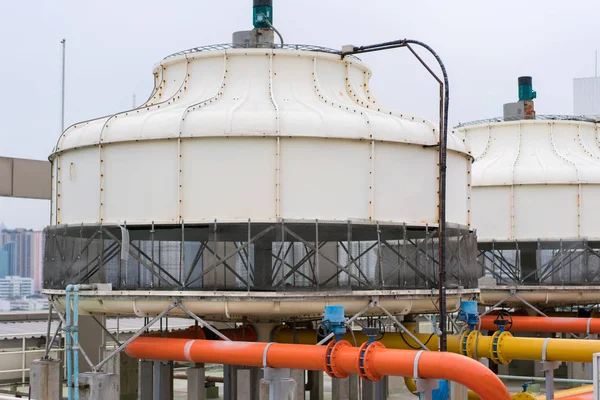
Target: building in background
x,y
21,254
586,96
16,287
4,262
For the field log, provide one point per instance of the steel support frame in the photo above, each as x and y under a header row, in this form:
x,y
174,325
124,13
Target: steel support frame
x,y
565,259
416,256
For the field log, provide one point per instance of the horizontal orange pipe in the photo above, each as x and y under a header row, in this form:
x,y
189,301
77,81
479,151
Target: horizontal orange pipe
x,y
545,324
378,360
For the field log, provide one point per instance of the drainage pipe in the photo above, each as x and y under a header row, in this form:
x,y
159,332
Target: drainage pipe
x,y
338,359
545,324
472,344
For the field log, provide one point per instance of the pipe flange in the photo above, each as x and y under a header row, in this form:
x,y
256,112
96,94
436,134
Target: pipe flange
x,y
364,367
463,343
471,344
331,353
496,347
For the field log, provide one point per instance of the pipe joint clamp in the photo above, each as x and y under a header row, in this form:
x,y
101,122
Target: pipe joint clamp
x,y
496,347
470,345
364,366
330,357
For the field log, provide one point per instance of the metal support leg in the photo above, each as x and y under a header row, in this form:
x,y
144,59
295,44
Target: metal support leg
x,y
374,390
315,384
145,380
195,381
230,382
548,368
163,380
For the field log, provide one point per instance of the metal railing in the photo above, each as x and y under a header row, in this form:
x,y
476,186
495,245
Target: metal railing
x,y
546,117
23,352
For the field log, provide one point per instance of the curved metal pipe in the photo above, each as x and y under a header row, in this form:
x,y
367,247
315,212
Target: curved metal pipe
x,y
338,359
546,324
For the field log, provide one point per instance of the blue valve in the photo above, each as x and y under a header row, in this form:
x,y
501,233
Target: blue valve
x,y
335,321
468,310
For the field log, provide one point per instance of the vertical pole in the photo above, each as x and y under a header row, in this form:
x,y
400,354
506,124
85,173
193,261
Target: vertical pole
x,y
442,222
48,339
75,329
23,359
68,342
62,95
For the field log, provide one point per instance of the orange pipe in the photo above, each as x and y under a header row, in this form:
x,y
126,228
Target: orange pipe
x,y
545,324
377,361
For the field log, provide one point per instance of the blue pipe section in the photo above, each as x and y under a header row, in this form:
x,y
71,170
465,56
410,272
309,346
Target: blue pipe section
x,y
68,348
75,330
72,340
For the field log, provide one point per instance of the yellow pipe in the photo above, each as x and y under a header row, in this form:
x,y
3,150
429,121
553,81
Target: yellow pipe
x,y
560,394
508,347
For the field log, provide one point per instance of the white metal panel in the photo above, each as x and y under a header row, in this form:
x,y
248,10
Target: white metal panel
x,y
544,212
590,215
491,212
555,169
541,157
241,93
405,183
140,182
228,179
325,179
457,189
79,177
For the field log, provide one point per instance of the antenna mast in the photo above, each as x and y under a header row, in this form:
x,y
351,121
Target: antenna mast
x,y
62,94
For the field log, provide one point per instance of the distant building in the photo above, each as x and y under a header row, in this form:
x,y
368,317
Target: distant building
x,y
4,262
24,249
15,287
586,96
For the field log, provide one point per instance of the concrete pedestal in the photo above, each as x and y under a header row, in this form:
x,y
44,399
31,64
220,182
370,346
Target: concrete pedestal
x,y
162,380
46,379
98,386
244,384
196,381
298,377
277,384
458,392
127,369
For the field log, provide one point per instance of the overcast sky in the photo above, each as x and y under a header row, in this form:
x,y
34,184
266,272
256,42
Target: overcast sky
x,y
113,44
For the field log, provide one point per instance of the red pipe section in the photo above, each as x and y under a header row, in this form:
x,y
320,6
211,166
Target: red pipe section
x,y
338,359
545,324
244,333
